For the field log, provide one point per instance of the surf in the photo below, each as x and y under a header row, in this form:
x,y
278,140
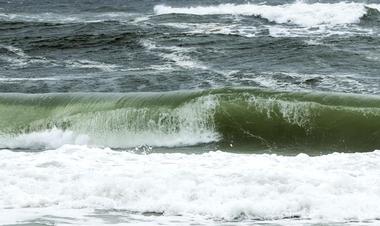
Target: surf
x,y
297,13
229,118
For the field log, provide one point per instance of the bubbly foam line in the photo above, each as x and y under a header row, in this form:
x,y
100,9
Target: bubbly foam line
x,y
189,124
90,64
49,17
18,57
298,13
21,59
2,79
178,55
217,185
52,138
374,6
216,28
15,50
337,82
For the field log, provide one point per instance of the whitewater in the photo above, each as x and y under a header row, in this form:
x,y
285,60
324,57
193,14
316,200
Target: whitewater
x,y
214,186
299,13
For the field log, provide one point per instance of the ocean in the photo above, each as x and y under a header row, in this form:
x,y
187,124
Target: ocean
x,y
174,112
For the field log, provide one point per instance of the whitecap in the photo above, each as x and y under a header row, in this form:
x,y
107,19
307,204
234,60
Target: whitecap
x,y
298,13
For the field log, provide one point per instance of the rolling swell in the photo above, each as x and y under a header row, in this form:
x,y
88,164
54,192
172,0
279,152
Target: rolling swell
x,y
228,118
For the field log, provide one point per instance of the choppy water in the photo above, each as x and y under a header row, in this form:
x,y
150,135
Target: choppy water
x,y
180,112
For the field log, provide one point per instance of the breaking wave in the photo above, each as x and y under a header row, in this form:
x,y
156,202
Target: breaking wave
x,y
227,117
298,13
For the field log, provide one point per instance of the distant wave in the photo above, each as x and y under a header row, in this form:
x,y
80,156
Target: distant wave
x,y
298,13
67,18
229,117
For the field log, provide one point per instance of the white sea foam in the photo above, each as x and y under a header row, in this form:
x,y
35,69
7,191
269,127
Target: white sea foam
x,y
189,124
90,64
42,17
216,185
182,56
322,31
5,79
178,55
303,82
19,59
299,13
15,50
216,28
277,30
49,17
374,6
53,138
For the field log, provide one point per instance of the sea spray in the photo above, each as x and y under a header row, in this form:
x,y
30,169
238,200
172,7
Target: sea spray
x,y
227,117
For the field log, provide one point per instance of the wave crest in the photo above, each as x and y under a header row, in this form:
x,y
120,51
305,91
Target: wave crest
x,y
298,13
231,117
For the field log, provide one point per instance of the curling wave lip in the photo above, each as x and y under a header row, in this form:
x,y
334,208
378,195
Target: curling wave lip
x,y
237,117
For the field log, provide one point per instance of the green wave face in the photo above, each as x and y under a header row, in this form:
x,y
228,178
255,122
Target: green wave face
x,y
232,119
